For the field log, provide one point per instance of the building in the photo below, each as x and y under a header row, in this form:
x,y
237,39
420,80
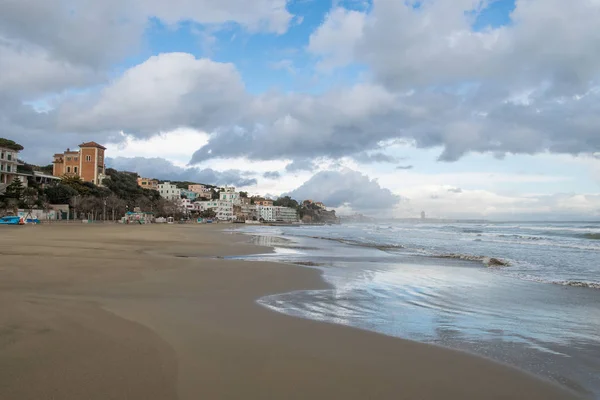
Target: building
x,y
187,206
316,204
263,202
202,191
41,179
244,212
169,191
87,163
223,209
229,194
188,194
276,214
285,214
265,213
147,183
8,165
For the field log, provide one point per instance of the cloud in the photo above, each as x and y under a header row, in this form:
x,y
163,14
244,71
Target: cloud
x,y
338,123
455,190
165,92
285,65
404,167
430,79
333,41
369,158
163,169
272,175
347,188
38,51
300,165
496,206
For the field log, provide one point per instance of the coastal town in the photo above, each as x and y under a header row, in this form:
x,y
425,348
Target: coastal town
x,y
78,185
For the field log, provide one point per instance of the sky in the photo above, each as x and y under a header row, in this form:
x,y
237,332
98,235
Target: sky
x,y
459,108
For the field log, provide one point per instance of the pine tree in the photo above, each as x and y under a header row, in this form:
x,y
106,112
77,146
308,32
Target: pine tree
x,y
14,190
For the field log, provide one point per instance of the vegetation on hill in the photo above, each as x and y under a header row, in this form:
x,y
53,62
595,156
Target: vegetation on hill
x,y
119,194
10,144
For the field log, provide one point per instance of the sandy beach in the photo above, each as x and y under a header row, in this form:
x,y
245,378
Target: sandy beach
x,y
153,312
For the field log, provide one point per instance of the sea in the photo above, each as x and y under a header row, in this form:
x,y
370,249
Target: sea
x,y
441,283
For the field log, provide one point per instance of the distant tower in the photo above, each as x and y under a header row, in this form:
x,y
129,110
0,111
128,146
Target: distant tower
x,y
422,214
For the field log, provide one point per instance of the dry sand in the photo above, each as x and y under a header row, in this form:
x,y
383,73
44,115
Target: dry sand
x,y
148,312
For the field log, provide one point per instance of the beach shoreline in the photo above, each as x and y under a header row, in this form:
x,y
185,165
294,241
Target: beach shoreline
x,y
158,311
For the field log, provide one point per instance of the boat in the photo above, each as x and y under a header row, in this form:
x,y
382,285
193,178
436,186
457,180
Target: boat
x,y
12,220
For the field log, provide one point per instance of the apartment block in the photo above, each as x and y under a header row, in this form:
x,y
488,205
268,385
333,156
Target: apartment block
x,y
169,191
8,165
223,209
202,191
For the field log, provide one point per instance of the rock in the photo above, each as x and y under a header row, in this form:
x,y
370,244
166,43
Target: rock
x,y
495,262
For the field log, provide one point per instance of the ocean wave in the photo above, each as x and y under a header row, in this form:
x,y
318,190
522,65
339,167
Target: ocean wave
x,y
591,285
472,231
567,282
361,244
590,236
523,237
489,261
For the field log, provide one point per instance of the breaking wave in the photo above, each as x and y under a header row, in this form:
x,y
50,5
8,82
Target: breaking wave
x,y
578,284
361,244
489,261
590,236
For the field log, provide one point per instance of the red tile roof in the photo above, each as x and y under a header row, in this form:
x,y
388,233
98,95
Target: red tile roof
x,y
92,144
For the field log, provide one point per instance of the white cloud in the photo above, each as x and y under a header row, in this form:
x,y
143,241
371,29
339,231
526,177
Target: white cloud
x,y
165,92
334,40
174,146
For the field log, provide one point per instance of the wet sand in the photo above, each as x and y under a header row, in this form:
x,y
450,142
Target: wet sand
x,y
150,312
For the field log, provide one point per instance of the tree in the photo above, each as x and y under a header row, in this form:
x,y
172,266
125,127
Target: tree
x,y
90,206
243,195
210,213
30,198
115,205
286,201
75,183
60,194
14,190
10,144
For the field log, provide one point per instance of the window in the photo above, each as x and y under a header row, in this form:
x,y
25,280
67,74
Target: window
x,y
75,169
68,170
76,158
88,158
1,156
69,158
1,167
8,168
9,156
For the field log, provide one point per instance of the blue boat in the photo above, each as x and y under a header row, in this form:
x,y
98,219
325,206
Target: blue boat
x,y
12,220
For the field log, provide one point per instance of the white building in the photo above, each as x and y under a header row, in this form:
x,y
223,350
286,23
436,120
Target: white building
x,y
187,206
223,209
265,213
229,194
169,191
285,214
8,165
276,214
